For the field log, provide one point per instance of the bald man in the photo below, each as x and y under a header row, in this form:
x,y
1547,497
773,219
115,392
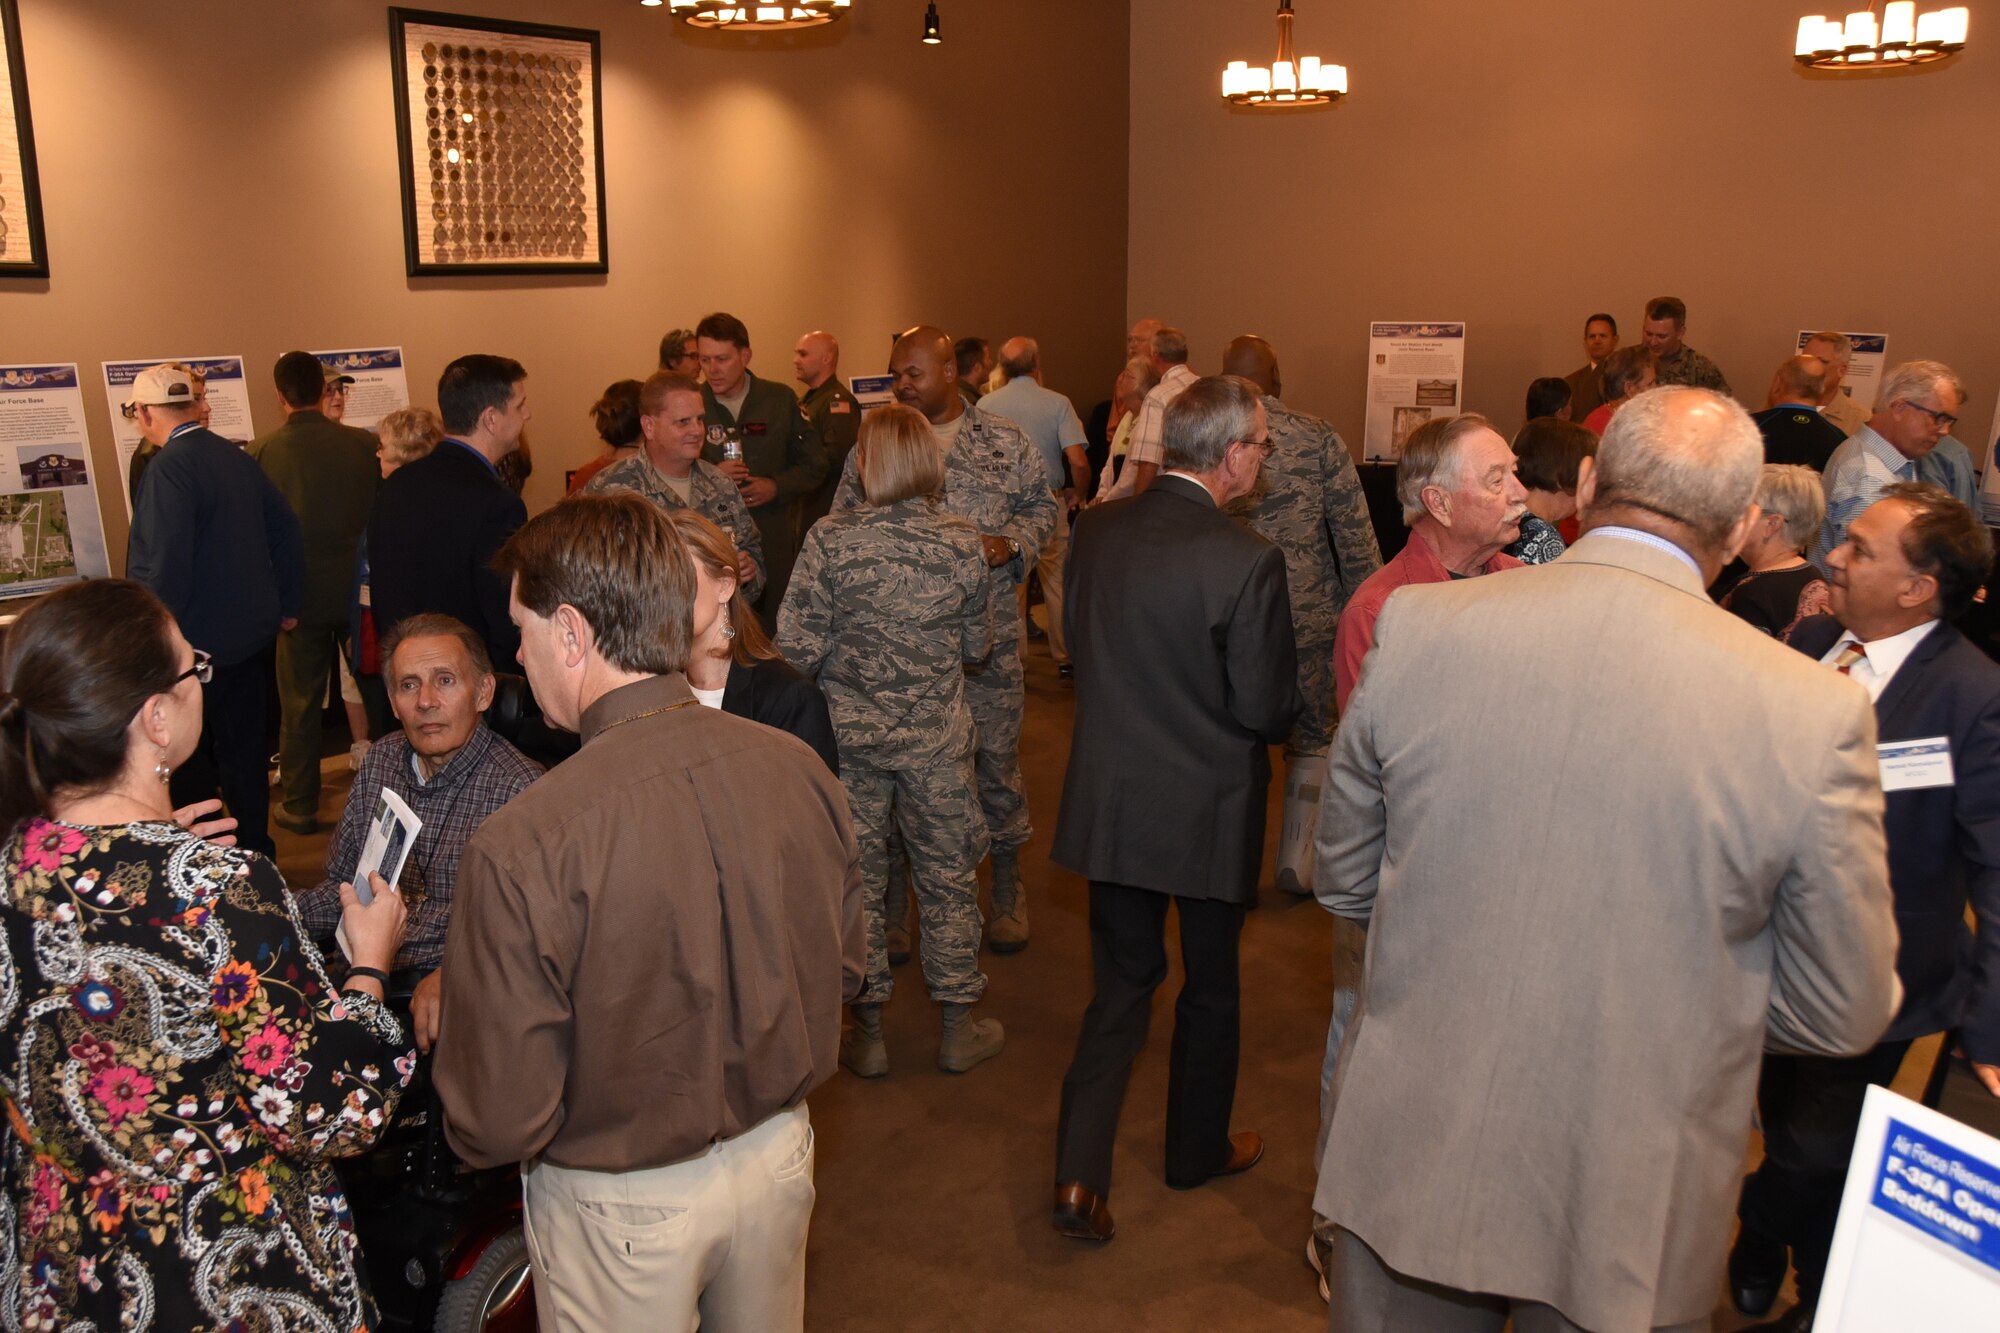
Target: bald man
x,y
1309,503
1791,423
830,410
994,478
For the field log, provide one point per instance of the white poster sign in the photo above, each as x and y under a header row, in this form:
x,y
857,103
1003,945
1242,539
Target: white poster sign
x,y
50,530
1416,371
1918,1245
380,385
872,391
1989,482
1864,372
228,395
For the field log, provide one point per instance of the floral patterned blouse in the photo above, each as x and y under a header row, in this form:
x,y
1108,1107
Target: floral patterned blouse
x,y
177,1070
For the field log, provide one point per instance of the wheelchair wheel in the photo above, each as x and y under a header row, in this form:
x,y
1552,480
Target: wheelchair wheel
x,y
497,1296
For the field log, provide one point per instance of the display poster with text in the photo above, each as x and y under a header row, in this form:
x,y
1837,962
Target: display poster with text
x,y
1416,372
50,530
226,395
380,386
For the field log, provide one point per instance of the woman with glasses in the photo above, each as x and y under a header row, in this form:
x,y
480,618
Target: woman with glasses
x,y
179,1068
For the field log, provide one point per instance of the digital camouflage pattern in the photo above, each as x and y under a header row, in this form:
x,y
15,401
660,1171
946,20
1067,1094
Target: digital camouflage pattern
x,y
996,479
887,608
710,494
1691,368
1308,501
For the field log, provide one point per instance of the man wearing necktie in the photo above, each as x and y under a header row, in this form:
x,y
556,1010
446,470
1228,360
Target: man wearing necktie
x,y
1909,564
1920,402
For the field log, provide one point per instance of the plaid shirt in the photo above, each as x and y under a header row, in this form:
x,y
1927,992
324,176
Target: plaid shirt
x,y
480,778
1149,434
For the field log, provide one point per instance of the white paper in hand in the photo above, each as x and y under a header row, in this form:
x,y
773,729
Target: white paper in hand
x,y
391,834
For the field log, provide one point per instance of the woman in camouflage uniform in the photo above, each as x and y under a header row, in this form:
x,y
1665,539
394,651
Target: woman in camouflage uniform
x,y
887,605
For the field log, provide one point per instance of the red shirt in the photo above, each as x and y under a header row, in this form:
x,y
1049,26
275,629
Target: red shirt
x,y
1599,419
1415,563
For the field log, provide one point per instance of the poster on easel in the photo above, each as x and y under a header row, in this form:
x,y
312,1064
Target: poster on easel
x,y
50,530
1989,482
1416,372
381,385
1864,371
224,390
1918,1241
873,391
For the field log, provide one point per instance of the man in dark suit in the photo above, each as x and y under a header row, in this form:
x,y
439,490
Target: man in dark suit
x,y
439,521
213,538
1910,564
1164,799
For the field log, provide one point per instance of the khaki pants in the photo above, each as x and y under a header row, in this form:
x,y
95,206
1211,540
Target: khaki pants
x,y
716,1242
1049,564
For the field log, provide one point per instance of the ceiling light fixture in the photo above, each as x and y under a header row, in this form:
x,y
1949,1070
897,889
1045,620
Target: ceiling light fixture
x,y
732,17
1901,39
931,34
1290,81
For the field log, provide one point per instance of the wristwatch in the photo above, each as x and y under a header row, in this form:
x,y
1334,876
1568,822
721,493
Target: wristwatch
x,y
1013,547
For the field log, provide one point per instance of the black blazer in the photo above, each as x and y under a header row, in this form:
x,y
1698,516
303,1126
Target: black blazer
x,y
1944,842
432,535
775,693
1185,671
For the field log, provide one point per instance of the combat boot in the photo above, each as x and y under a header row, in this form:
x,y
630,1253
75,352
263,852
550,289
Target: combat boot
x,y
862,1048
1305,775
968,1041
1007,932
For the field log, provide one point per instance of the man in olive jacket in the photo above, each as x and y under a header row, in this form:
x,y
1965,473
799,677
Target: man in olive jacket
x,y
327,473
783,461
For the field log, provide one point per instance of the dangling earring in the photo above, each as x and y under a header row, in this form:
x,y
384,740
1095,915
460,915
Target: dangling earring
x,y
728,624
162,771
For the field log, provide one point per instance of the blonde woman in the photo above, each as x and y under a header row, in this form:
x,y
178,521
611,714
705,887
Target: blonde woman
x,y
887,606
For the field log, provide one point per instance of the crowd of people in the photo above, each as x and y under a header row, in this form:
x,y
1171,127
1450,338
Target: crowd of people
x,y
618,979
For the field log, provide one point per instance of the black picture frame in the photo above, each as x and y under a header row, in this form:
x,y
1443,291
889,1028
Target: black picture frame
x,y
19,178
573,159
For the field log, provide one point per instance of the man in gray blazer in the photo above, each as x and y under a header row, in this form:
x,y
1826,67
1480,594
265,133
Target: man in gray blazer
x,y
1163,802
1609,842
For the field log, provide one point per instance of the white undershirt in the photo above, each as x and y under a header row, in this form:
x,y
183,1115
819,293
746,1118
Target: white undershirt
x,y
709,698
947,434
1885,656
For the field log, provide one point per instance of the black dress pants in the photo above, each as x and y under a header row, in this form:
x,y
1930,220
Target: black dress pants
x,y
1128,963
1811,1109
231,757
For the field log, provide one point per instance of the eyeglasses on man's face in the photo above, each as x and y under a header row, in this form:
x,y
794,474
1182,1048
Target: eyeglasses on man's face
x,y
1942,420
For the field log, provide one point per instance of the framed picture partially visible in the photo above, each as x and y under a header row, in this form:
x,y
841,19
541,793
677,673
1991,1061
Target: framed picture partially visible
x,y
500,135
23,249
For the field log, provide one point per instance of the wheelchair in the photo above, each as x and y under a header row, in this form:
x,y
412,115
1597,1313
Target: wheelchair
x,y
442,1243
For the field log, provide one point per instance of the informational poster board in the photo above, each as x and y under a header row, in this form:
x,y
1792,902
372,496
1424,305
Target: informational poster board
x,y
228,404
1864,372
1918,1245
872,391
50,529
380,386
1989,482
1416,371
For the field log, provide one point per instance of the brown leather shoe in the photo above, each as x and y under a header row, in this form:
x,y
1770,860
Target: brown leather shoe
x,y
1081,1213
1246,1148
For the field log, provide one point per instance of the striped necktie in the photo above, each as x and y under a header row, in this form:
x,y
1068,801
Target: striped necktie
x,y
1850,653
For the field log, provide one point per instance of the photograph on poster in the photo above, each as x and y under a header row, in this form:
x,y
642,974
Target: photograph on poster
x,y
23,249
499,133
50,532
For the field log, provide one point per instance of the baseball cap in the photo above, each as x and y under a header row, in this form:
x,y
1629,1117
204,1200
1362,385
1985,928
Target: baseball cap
x,y
158,385
334,376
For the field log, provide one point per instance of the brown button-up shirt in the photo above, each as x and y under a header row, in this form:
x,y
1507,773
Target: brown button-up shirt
x,y
652,944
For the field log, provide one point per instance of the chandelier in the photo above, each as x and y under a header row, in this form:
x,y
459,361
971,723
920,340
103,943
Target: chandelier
x,y
724,14
1290,81
1902,38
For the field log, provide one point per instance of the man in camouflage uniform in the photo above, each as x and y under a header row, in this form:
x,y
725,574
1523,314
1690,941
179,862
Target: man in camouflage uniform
x,y
887,606
1309,503
669,470
993,477
1674,362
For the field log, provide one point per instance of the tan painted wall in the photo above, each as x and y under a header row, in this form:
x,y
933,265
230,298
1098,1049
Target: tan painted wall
x,y
857,182
1519,165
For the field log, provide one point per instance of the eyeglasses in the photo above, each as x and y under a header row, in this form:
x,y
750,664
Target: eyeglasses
x,y
1943,420
1263,447
203,669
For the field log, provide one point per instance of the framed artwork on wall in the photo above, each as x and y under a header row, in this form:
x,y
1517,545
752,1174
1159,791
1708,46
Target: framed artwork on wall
x,y
23,248
500,137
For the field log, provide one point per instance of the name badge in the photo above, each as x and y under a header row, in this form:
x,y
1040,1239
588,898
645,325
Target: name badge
x,y
1908,765
756,428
